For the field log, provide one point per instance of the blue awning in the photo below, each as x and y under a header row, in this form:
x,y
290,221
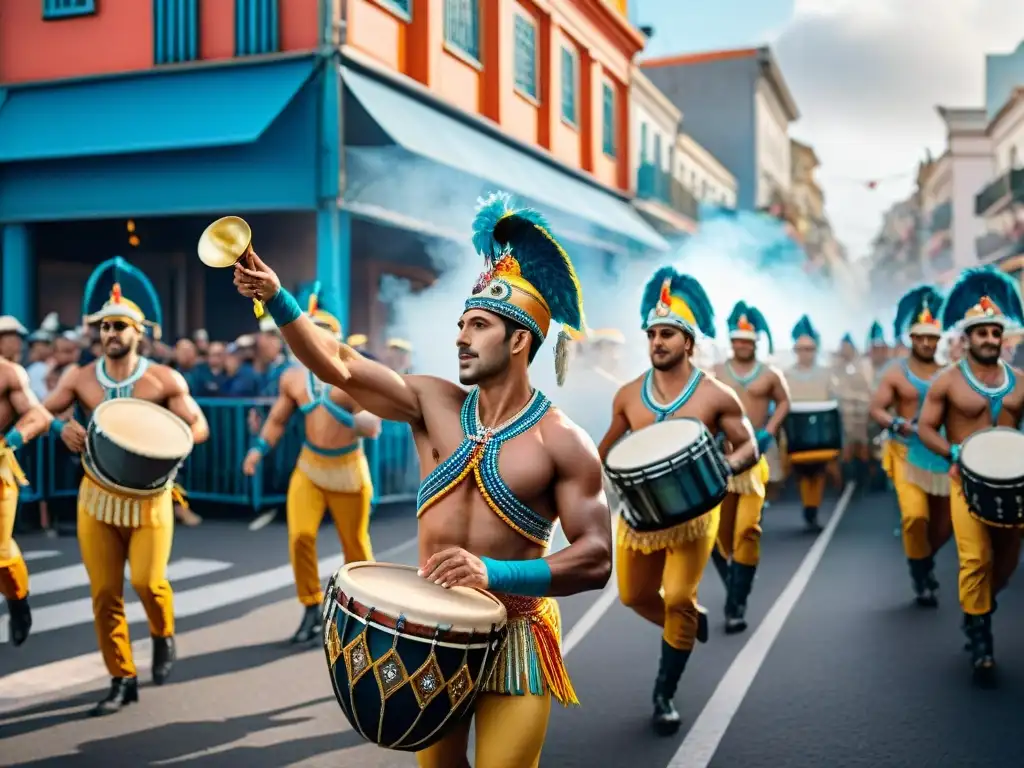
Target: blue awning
x,y
148,112
430,133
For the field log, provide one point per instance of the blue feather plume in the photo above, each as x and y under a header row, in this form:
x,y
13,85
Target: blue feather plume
x,y
972,285
689,290
875,334
803,327
755,318
912,304
500,228
848,339
737,313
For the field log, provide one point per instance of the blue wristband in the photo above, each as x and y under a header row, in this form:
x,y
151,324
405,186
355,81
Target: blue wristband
x,y
14,439
262,446
764,440
531,578
283,307
954,454
56,427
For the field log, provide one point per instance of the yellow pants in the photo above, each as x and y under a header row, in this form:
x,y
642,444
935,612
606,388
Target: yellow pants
x,y
924,517
510,733
306,503
988,555
739,528
661,583
811,467
13,571
106,547
812,489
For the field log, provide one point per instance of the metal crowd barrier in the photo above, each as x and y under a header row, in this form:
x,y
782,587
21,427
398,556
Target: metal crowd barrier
x,y
213,473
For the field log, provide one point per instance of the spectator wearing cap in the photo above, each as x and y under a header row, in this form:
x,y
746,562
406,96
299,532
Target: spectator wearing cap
x,y
360,343
12,334
242,378
37,365
269,360
399,355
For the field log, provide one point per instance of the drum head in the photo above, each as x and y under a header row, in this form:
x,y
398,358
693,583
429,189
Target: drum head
x,y
654,444
818,406
144,428
397,590
994,454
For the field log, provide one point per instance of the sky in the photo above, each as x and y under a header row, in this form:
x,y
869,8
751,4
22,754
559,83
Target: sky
x,y
866,75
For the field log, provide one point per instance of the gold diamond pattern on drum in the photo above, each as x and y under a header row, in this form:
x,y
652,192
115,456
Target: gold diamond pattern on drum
x,y
460,686
333,644
427,681
357,659
391,674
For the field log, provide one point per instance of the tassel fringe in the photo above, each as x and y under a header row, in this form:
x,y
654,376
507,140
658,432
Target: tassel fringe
x,y
648,542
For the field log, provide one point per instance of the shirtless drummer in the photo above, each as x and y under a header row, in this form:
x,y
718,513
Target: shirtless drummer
x,y
17,401
659,572
486,521
143,540
979,392
759,387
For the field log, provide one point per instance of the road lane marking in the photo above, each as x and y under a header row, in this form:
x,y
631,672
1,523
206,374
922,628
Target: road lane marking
x,y
40,554
263,520
703,739
74,576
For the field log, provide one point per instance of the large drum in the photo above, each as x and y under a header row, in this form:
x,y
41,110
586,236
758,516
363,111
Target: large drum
x,y
814,432
667,474
992,471
406,656
136,445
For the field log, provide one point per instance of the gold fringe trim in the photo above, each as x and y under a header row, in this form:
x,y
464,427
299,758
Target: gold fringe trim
x,y
118,508
348,473
648,542
530,662
751,482
11,475
932,483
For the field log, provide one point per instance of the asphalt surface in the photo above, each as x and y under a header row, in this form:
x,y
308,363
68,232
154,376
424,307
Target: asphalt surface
x,y
853,675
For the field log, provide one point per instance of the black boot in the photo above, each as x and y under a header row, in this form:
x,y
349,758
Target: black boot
x,y
979,634
21,620
933,583
123,691
740,582
310,625
702,624
666,719
165,653
721,565
811,518
922,578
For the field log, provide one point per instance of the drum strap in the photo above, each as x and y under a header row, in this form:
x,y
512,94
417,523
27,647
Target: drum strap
x,y
994,395
113,390
478,456
663,412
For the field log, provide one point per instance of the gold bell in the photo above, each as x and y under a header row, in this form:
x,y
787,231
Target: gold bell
x,y
224,243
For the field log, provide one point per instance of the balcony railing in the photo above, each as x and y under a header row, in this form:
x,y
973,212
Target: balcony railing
x,y
994,247
654,183
999,193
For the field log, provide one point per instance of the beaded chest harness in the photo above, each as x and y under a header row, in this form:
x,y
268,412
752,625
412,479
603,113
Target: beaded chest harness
x,y
478,455
320,395
994,395
124,388
662,412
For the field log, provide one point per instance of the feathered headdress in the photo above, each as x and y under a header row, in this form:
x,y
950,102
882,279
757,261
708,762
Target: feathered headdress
x,y
319,315
529,277
143,310
848,339
672,298
917,313
876,336
982,296
804,330
747,322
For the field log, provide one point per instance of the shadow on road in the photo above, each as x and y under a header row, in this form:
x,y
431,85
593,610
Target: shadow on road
x,y
238,659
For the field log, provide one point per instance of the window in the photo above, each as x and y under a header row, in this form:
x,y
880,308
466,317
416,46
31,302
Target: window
x,y
256,27
569,86
402,8
526,56
643,142
175,31
62,9
657,150
462,26
608,119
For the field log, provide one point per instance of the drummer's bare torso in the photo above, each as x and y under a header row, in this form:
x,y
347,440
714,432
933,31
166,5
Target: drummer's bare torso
x,y
13,385
707,404
757,396
322,429
905,397
967,411
158,384
462,518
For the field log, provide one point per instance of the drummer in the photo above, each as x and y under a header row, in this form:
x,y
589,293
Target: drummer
x,y
810,382
331,472
978,392
659,572
880,355
18,403
483,522
921,478
853,389
765,397
143,538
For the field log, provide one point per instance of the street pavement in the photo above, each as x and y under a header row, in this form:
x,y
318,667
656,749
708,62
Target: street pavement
x,y
838,667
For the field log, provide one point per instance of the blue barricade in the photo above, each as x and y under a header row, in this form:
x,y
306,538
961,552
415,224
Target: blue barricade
x,y
213,472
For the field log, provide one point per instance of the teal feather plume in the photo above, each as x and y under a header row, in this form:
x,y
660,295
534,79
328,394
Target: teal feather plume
x,y
688,289
754,317
803,327
972,285
912,304
500,228
135,286
737,313
875,334
848,339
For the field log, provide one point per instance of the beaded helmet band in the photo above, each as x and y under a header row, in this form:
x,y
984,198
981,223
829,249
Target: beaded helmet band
x,y
744,330
120,308
985,312
925,324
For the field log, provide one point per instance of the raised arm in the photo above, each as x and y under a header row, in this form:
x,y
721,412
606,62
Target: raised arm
x,y
182,405
373,385
933,415
733,422
780,396
618,427
34,419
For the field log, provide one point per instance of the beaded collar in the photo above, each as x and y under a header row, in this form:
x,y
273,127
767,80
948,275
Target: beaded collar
x,y
124,388
478,455
662,412
921,385
995,394
747,380
320,395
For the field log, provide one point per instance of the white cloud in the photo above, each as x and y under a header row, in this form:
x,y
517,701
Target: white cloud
x,y
867,75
